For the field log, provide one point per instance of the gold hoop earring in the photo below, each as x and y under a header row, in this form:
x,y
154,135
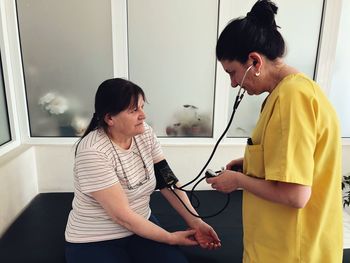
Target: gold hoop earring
x,y
257,74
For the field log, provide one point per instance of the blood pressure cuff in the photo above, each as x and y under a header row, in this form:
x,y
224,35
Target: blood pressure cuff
x,y
164,175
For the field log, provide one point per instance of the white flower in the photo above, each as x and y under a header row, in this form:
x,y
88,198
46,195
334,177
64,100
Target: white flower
x,y
46,99
187,116
54,104
57,106
79,124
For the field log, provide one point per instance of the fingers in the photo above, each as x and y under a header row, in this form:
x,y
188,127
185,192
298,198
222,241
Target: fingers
x,y
210,180
208,239
213,182
190,240
238,162
190,232
211,245
204,245
216,243
185,238
214,235
230,164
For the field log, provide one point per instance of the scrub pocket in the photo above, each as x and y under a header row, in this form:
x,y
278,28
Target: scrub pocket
x,y
254,161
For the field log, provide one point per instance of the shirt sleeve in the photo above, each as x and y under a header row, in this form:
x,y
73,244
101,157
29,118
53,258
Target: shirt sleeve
x,y
94,171
157,153
290,136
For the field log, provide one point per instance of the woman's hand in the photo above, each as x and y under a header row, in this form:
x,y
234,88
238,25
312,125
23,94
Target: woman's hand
x,y
183,238
206,236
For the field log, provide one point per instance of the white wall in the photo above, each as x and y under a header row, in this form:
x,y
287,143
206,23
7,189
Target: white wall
x,y
55,168
18,183
55,163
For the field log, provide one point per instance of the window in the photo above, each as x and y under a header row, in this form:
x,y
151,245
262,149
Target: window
x,y
340,88
67,52
5,134
301,52
172,57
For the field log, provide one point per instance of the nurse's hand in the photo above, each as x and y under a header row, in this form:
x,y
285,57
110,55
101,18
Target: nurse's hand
x,y
226,182
235,162
183,238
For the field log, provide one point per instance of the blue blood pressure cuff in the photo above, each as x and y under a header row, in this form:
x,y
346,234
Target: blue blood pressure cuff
x,y
164,175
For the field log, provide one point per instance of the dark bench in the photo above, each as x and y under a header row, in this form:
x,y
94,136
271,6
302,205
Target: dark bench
x,y
37,235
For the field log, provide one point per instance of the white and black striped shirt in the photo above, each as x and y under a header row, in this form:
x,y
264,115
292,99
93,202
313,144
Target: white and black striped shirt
x,y
97,167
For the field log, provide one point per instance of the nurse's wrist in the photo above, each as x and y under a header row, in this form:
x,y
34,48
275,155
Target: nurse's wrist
x,y
239,177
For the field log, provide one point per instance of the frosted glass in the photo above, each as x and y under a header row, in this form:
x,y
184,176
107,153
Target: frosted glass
x,y
301,41
67,52
5,135
172,57
340,90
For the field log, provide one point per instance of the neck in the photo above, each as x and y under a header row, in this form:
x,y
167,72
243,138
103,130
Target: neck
x,y
280,71
121,140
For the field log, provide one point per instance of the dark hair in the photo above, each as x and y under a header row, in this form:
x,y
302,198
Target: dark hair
x,y
112,97
255,32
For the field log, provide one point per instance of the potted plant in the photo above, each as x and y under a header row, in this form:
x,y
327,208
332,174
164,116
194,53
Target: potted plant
x,y
345,186
57,107
189,122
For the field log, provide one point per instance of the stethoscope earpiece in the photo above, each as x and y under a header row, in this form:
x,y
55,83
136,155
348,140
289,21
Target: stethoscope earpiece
x,y
240,94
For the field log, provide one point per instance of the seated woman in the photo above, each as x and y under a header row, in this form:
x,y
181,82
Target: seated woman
x,y
111,219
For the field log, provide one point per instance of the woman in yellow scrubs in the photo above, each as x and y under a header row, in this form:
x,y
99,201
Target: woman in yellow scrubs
x,y
291,180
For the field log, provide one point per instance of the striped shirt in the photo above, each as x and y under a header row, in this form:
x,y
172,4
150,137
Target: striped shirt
x,y
99,164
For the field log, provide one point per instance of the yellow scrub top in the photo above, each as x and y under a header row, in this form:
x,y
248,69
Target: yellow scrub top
x,y
296,140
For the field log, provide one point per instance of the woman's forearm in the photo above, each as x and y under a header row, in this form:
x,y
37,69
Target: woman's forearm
x,y
179,207
143,227
121,213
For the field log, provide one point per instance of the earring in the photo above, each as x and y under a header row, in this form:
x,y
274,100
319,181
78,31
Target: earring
x,y
257,74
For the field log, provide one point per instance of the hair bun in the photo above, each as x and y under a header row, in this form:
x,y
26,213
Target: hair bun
x,y
263,13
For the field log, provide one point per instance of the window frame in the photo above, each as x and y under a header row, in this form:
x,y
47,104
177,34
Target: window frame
x,y
10,98
8,126
323,71
327,47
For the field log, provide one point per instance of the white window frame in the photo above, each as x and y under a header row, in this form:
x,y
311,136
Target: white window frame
x,y
8,85
15,89
327,47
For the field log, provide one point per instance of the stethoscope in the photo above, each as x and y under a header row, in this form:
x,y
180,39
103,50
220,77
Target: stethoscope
x,y
238,99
